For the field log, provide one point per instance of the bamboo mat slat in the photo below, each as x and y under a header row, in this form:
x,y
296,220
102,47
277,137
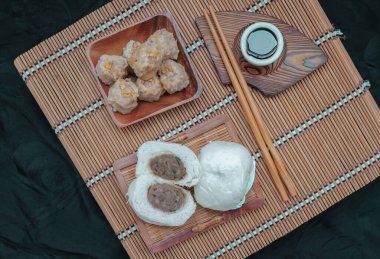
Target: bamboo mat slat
x,y
326,127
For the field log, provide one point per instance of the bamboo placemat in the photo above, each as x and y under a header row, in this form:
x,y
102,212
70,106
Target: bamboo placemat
x,y
327,127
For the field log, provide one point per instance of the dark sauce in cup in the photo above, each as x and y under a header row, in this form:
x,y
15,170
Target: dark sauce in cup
x,y
261,44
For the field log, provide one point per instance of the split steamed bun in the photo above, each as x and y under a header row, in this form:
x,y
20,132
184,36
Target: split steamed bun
x,y
122,96
173,76
160,204
156,194
168,163
227,175
111,68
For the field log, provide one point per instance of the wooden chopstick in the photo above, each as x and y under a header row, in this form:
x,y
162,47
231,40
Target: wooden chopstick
x,y
247,111
255,110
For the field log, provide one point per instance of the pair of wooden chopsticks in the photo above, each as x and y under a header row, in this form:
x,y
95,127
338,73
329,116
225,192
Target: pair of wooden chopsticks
x,y
272,158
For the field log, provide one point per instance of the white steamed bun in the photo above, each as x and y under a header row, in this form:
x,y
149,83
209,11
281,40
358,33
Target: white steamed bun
x,y
227,175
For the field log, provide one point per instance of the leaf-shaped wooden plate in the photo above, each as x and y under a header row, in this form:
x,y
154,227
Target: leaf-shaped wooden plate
x,y
301,56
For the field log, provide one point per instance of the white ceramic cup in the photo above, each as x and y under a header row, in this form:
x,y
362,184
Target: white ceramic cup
x,y
244,44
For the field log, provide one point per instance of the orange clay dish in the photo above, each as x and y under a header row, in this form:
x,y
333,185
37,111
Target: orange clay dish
x,y
144,60
152,61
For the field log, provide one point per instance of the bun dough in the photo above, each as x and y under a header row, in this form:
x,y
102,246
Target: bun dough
x,y
166,42
138,199
122,96
110,68
150,90
173,76
146,60
227,175
152,149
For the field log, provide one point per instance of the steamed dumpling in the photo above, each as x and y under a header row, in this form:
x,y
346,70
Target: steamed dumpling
x,y
150,90
166,42
122,96
173,76
160,204
130,48
168,162
111,68
146,60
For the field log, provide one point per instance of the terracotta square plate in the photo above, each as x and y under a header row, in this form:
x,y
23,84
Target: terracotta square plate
x,y
113,45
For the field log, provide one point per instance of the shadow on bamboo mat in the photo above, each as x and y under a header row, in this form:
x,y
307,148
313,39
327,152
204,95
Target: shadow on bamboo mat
x,y
46,211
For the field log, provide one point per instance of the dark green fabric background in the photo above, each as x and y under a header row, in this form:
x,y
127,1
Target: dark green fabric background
x,y
45,209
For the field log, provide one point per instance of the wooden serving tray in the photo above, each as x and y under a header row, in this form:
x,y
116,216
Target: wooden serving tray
x,y
158,238
113,45
300,56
